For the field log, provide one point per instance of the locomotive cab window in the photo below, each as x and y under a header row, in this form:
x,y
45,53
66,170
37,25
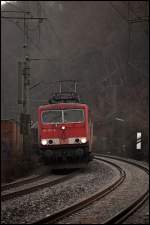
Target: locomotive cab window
x,y
63,116
52,116
73,115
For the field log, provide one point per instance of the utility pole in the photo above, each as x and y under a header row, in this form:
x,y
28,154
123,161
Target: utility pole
x,y
25,116
24,80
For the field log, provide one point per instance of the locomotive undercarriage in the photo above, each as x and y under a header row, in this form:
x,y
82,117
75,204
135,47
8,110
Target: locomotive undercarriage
x,y
67,157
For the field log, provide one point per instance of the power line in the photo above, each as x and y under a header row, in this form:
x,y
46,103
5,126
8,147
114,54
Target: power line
x,y
22,18
38,100
131,9
140,20
43,91
37,47
30,39
35,85
13,11
24,77
49,27
135,20
118,12
50,24
39,14
14,5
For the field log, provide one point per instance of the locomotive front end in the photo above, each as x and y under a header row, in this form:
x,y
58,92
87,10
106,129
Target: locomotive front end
x,y
64,135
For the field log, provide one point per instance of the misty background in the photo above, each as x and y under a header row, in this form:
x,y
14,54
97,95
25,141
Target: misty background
x,y
93,42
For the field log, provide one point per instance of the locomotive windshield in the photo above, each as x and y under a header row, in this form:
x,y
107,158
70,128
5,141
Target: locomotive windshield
x,y
63,116
73,115
52,116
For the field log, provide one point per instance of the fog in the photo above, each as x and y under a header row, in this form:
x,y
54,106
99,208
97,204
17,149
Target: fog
x,y
88,41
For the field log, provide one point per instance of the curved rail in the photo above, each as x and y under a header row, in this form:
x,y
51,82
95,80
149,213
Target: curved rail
x,y
81,204
132,208
10,195
15,184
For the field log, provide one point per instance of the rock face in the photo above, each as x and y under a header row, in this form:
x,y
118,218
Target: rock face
x,y
88,41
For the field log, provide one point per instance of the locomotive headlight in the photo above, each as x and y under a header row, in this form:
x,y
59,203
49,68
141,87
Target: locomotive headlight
x,y
83,140
44,142
63,127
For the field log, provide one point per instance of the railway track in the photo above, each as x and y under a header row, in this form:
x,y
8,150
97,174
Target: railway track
x,y
20,188
117,218
85,202
16,184
132,208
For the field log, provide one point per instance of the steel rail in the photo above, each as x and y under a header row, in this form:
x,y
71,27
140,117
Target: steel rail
x,y
85,202
124,214
131,161
10,195
23,181
132,208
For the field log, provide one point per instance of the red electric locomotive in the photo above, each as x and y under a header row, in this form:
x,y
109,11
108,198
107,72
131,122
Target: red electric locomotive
x,y
65,131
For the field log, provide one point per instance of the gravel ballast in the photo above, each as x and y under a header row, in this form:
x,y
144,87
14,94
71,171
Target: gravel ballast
x,y
34,206
137,181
